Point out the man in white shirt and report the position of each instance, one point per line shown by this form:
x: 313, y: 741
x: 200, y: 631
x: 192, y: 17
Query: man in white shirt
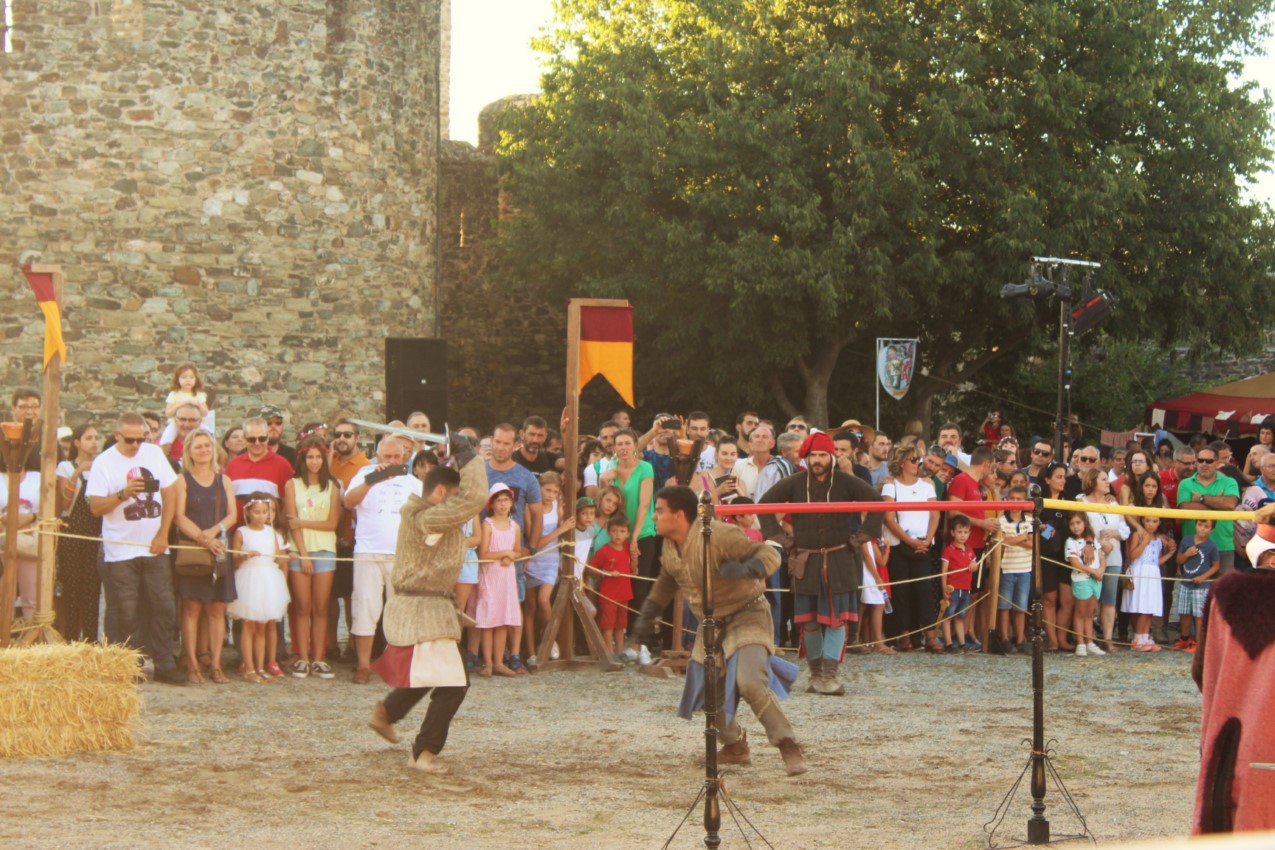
x: 377, y: 494
x: 594, y: 471
x: 131, y: 487
x: 761, y: 442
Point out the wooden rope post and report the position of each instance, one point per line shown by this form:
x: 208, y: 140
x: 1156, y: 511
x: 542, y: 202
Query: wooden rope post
x: 46, y: 577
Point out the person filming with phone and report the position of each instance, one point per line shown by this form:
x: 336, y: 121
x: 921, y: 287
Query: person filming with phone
x: 377, y: 494
x: 721, y: 480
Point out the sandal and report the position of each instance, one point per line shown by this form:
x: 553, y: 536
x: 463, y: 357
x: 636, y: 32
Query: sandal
x: 205, y: 661
x: 485, y: 671
x: 516, y: 664
x: 502, y: 670
x: 252, y: 677
x: 218, y: 677
x: 194, y: 677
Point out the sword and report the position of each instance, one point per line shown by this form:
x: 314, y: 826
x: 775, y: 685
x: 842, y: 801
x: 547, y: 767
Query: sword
x: 443, y: 439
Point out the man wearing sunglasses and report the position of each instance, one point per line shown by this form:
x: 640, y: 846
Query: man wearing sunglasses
x: 1042, y: 453
x: 344, y: 460
x: 1207, y: 490
x: 131, y: 487
x: 273, y: 415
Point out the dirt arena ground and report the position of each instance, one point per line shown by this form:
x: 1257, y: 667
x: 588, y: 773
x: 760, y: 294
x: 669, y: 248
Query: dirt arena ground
x: 918, y: 755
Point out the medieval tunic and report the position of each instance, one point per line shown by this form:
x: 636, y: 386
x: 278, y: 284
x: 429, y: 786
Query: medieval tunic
x: 743, y: 619
x: 1235, y: 670
x: 421, y: 623
x: 828, y: 589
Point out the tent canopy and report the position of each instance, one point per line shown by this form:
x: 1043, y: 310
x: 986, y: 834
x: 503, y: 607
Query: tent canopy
x: 1238, y: 407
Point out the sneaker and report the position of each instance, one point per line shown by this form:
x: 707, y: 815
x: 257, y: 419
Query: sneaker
x: 1081, y: 650
x: 300, y: 669
x: 532, y: 661
x: 322, y: 669
x: 1094, y: 649
x: 1181, y: 643
x: 644, y: 656
x: 553, y: 652
x: 973, y: 645
x: 629, y: 656
x: 472, y: 663
x: 1190, y: 647
x: 274, y: 669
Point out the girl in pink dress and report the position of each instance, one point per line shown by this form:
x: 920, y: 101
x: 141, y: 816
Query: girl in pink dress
x: 498, y: 611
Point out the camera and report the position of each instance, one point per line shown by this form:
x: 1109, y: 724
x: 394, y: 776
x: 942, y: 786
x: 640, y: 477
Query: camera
x: 150, y: 485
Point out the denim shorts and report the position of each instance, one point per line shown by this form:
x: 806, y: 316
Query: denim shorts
x: 958, y: 605
x: 1085, y: 588
x: 324, y: 562
x: 1016, y: 589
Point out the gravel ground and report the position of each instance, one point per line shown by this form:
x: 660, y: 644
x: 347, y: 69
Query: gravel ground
x: 918, y: 755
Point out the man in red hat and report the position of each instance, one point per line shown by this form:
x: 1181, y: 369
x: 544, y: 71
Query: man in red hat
x: 825, y: 562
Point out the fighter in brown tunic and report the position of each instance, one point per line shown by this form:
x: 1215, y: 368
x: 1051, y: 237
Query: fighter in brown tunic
x: 739, y: 568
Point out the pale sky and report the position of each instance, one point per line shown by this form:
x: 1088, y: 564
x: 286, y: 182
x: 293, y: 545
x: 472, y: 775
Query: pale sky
x: 492, y: 58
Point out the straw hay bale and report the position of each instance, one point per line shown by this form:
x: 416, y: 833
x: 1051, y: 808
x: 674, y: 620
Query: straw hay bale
x: 67, y: 698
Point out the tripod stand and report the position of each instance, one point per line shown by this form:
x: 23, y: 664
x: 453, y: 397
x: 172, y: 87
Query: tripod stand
x: 1039, y: 763
x: 713, y: 791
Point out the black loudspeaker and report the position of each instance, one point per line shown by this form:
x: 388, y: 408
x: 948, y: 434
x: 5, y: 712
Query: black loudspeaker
x: 416, y: 379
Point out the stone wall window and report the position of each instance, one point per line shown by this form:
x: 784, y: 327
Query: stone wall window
x: 6, y: 26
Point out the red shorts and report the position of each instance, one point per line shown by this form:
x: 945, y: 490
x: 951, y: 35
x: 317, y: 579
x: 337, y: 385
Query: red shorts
x: 612, y: 616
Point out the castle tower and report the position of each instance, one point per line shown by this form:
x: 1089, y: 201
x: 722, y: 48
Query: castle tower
x: 252, y: 186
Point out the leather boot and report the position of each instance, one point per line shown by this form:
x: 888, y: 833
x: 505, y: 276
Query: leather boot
x: 816, y: 675
x: 828, y: 685
x: 794, y: 760
x: 381, y: 725
x: 736, y: 753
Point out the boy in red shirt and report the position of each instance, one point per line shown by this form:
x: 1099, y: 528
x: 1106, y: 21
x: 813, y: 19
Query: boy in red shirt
x: 615, y: 589
x: 958, y: 566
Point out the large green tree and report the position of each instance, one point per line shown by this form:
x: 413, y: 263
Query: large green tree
x: 772, y: 182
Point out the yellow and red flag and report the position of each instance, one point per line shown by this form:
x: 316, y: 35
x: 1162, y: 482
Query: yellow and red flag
x: 42, y: 285
x: 606, y: 347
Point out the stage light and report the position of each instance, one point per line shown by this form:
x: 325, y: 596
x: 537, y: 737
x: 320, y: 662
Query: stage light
x: 1093, y: 312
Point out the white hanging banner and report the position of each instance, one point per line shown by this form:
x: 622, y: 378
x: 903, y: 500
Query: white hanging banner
x: 896, y: 364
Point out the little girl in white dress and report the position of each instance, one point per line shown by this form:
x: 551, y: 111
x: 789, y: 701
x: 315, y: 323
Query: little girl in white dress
x: 262, y: 587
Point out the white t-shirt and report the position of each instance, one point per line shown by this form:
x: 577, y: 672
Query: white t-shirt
x: 1075, y: 549
x: 595, y: 470
x: 377, y: 517
x: 138, y: 519
x: 915, y: 523
x: 746, y: 471
x: 28, y: 493
x: 1013, y: 558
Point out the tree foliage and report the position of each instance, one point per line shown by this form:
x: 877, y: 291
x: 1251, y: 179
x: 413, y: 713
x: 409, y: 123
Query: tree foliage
x: 773, y: 181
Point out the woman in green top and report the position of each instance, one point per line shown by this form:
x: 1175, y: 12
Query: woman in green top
x: 636, y: 478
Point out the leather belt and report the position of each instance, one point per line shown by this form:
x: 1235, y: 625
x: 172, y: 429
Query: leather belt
x: 438, y: 594
x: 824, y: 551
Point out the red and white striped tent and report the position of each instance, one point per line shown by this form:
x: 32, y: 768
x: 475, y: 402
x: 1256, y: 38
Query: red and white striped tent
x: 1236, y: 408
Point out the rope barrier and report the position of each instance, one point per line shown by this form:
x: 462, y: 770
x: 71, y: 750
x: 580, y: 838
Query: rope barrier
x: 974, y: 507
x: 38, y: 620
x: 1134, y: 510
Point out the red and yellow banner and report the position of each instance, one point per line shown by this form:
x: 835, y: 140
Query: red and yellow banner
x: 42, y: 286
x: 606, y: 347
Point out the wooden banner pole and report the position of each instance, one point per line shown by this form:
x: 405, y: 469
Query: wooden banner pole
x: 50, y: 404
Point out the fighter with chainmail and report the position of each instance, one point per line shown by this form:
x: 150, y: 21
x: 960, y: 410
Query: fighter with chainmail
x: 422, y: 625
x: 826, y: 561
x: 739, y: 568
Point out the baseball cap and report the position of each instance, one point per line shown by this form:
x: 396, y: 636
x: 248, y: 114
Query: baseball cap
x: 63, y: 432
x: 585, y: 502
x: 951, y: 461
x: 269, y: 410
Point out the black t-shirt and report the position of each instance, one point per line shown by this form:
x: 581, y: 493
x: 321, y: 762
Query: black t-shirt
x: 288, y: 453
x: 544, y: 462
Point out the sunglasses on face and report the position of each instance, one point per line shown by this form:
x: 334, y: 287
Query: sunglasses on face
x: 132, y: 441
x: 255, y: 439
x: 344, y: 435
x: 1043, y: 452
x: 1206, y: 460
x: 797, y: 426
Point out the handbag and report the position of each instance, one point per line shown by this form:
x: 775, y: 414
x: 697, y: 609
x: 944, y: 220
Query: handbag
x: 28, y: 544
x: 198, y: 560
x: 1126, y: 581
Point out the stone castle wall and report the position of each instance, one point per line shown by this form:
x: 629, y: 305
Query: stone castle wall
x: 248, y: 185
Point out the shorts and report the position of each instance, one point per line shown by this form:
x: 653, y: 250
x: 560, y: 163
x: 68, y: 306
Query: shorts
x: 1191, y: 599
x: 1015, y: 591
x: 1086, y: 588
x: 469, y: 568
x: 959, y: 604
x: 371, y: 583
x: 1052, y: 576
x: 612, y: 615
x: 521, y: 572
x: 324, y: 562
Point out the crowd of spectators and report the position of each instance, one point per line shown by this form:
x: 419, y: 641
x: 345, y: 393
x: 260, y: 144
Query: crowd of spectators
x: 156, y: 488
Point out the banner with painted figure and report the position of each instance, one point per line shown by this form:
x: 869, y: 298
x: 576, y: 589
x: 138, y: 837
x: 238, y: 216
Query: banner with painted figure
x: 896, y: 363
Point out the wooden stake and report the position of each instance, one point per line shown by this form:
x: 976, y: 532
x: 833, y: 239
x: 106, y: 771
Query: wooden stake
x: 46, y: 577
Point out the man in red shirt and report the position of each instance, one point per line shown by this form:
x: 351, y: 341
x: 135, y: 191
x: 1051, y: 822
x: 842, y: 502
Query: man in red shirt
x: 1183, y: 468
x: 258, y: 469
x: 965, y: 487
